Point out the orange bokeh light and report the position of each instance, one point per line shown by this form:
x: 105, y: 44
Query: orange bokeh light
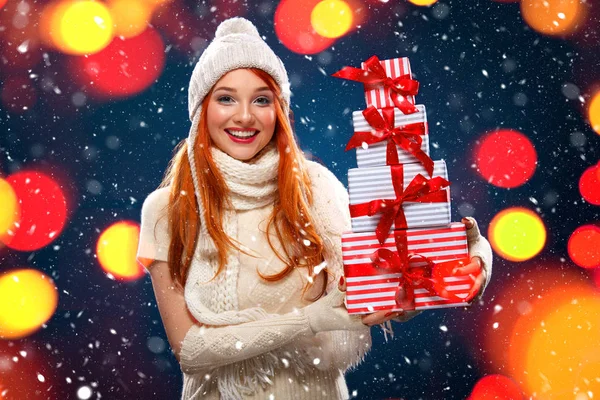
x: 523, y: 297
x: 561, y: 360
x: 584, y: 246
x: 9, y: 213
x: 547, y: 342
x: 505, y: 158
x: 553, y: 17
x: 594, y: 112
x: 116, y: 250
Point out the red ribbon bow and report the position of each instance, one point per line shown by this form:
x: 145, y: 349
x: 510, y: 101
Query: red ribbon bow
x: 420, y: 190
x: 407, y: 137
x: 412, y: 276
x: 374, y: 76
x: 428, y: 276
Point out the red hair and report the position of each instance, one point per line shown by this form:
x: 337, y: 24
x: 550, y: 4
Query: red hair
x: 291, y: 218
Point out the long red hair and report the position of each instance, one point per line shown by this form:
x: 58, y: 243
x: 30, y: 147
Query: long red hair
x: 291, y: 218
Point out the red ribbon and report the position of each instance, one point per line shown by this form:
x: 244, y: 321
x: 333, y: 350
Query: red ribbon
x: 420, y: 190
x: 374, y: 76
x: 411, y: 276
x: 409, y: 137
x: 426, y: 276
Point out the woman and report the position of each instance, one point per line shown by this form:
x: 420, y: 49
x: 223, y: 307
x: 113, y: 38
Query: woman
x: 243, y: 240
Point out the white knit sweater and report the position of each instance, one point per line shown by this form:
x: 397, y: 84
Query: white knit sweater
x: 309, y: 366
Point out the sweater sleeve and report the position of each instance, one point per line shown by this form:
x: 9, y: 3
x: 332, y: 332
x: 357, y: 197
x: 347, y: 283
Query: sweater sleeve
x: 154, y: 234
x: 208, y: 347
x: 480, y: 247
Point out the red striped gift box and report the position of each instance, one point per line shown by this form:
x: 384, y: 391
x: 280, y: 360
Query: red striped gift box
x: 394, y: 68
x: 373, y: 155
x: 369, y: 184
x: 370, y: 289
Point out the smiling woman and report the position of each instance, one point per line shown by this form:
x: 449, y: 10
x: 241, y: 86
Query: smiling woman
x: 243, y: 240
x: 241, y: 113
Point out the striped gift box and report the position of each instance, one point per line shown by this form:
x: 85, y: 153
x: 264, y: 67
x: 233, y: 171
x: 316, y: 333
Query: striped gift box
x: 367, y: 184
x: 369, y: 289
x: 375, y: 154
x: 394, y: 68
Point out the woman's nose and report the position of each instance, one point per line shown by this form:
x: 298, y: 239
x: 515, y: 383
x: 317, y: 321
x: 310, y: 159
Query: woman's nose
x: 244, y: 114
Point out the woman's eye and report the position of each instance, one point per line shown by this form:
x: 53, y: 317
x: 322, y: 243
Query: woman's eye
x: 224, y: 99
x: 263, y: 100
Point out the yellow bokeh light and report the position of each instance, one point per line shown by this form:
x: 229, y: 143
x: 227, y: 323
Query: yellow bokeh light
x: 28, y: 299
x: 563, y: 358
x: 331, y: 18
x: 130, y: 17
x: 552, y: 17
x: 80, y: 27
x: 594, y: 113
x: 9, y: 212
x: 517, y: 234
x: 116, y: 250
x: 423, y: 2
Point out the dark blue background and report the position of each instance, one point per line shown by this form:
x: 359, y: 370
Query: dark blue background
x: 422, y: 361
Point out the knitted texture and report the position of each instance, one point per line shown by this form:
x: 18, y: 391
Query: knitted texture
x: 252, y: 185
x: 215, y: 302
x: 237, y: 44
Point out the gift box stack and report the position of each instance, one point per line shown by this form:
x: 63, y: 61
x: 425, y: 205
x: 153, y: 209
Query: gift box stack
x: 403, y: 248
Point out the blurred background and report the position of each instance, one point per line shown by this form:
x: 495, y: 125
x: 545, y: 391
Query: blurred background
x: 93, y: 99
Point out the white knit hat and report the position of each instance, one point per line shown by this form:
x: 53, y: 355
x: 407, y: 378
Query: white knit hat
x: 237, y: 44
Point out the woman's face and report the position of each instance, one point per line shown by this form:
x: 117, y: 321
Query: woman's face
x: 241, y: 114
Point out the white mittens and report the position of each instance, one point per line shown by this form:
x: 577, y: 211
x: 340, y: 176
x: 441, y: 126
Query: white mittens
x: 329, y: 314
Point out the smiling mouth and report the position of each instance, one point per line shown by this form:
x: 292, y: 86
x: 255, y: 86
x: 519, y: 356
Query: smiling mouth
x: 242, y: 134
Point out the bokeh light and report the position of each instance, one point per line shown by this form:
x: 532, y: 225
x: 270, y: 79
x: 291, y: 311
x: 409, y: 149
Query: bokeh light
x: 294, y: 29
x: 523, y: 295
x: 331, y: 18
x: 124, y: 68
x: 116, y: 250
x: 2, y: 4
x: 584, y: 246
x: 130, y: 17
x: 505, y: 158
x: 496, y: 387
x: 517, y: 234
x: 552, y: 17
x: 594, y: 113
x: 9, y: 212
x: 28, y: 299
x: 43, y: 211
x: 79, y: 27
x: 562, y: 360
x: 589, y: 185
x: 423, y: 2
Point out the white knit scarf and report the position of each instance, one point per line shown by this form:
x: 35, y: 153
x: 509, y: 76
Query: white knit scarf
x: 214, y: 302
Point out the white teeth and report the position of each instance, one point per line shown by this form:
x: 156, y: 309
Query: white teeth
x: 242, y: 134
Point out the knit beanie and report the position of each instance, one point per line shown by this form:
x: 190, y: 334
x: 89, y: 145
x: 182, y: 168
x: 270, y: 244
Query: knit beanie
x: 237, y: 44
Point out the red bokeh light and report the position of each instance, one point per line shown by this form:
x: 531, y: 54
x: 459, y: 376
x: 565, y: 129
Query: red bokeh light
x: 496, y: 387
x: 589, y: 185
x: 124, y: 68
x: 43, y: 211
x: 505, y: 158
x: 294, y: 29
x: 584, y: 246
